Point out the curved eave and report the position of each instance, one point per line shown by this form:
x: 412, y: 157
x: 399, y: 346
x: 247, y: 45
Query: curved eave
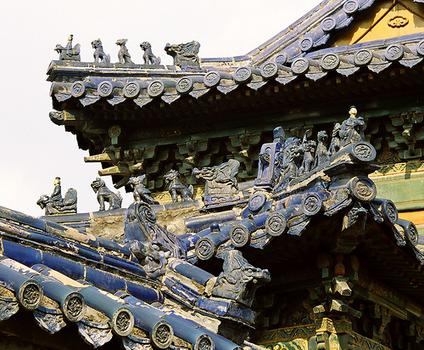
x: 169, y: 83
x: 103, y: 264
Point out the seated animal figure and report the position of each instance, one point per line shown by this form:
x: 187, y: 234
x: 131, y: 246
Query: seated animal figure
x: 321, y: 155
x: 67, y: 206
x: 69, y: 52
x: 106, y: 195
x: 140, y: 192
x: 308, y: 148
x: 335, y: 140
x: 184, y: 54
x: 148, y: 56
x: 123, y: 54
x: 239, y: 279
x: 176, y: 188
x: 99, y: 54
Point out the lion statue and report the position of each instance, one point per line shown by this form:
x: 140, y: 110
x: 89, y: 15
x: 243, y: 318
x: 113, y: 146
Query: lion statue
x: 148, y: 56
x: 99, y: 54
x: 106, y: 195
x: 176, y: 188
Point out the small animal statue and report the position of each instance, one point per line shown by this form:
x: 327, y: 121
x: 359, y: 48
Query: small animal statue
x: 335, y: 140
x: 68, y: 53
x: 176, y: 188
x: 148, y: 56
x: 184, y: 54
x: 106, y: 195
x: 99, y: 54
x: 140, y: 192
x: 56, y: 204
x: 239, y: 279
x: 321, y: 154
x: 308, y: 147
x: 123, y: 54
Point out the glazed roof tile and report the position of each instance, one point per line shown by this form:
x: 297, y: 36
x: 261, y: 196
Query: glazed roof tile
x: 140, y: 85
x: 62, y: 262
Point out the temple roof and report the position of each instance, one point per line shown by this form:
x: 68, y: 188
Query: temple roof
x: 346, y: 52
x: 143, y: 84
x: 67, y: 276
x: 307, y: 48
x: 188, y: 285
x: 62, y: 274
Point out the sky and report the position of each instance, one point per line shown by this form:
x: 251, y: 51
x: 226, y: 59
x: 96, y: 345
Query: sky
x: 33, y: 149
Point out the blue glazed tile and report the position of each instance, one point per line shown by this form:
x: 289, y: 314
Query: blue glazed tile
x: 148, y: 294
x: 68, y: 267
x: 191, y: 271
x: 25, y: 255
x: 104, y: 280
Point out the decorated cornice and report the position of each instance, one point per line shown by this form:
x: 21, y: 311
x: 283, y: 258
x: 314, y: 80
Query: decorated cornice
x: 90, y: 83
x: 156, y: 286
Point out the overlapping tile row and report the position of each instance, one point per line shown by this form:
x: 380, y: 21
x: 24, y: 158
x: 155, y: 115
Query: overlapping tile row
x: 143, y: 86
x: 43, y: 276
x: 313, y: 30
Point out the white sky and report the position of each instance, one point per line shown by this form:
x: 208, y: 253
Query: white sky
x: 33, y: 149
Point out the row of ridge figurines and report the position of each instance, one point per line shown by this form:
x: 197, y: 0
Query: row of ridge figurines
x: 56, y: 204
x: 183, y: 54
x: 280, y: 162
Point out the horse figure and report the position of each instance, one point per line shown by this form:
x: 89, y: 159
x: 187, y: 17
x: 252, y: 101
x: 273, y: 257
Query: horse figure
x: 148, y: 56
x: 176, y: 188
x: 106, y: 195
x: 99, y: 54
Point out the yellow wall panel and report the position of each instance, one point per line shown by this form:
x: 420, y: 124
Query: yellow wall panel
x: 391, y: 19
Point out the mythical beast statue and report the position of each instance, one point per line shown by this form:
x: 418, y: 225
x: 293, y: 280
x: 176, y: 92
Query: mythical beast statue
x: 69, y: 52
x: 106, y: 195
x: 239, y: 279
x: 184, y: 54
x: 221, y: 182
x: 176, y: 188
x: 55, y: 203
x: 140, y: 192
x: 99, y: 53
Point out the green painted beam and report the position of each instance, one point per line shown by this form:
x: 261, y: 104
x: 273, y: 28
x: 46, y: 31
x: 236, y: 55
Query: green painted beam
x: 405, y: 190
